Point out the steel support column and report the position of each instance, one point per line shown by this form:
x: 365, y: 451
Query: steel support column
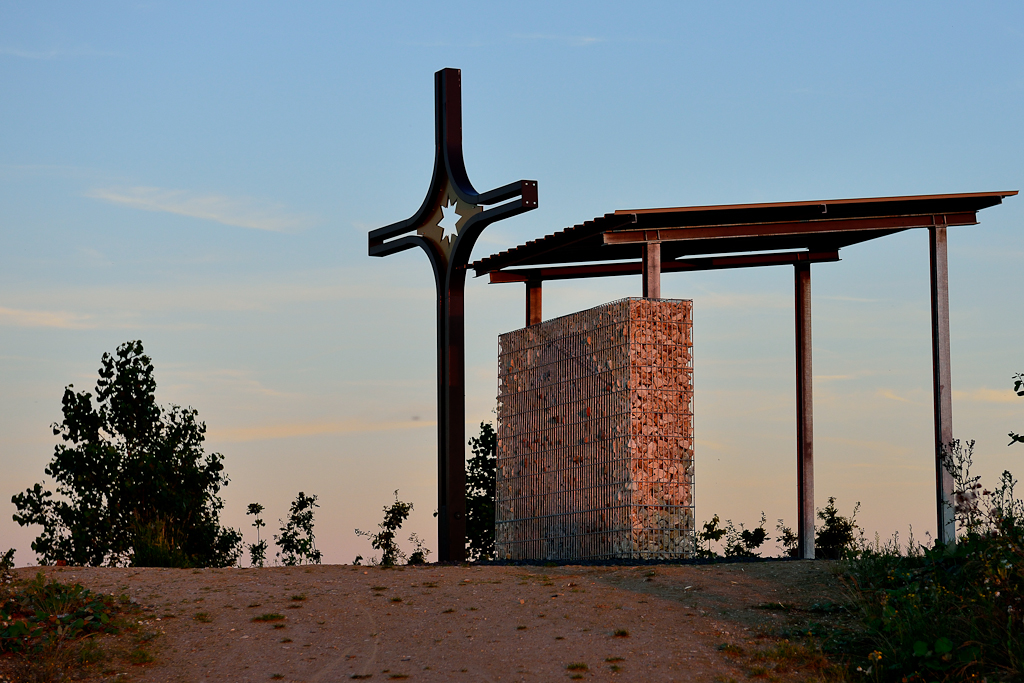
x: 533, y: 302
x: 804, y: 414
x: 942, y: 394
x: 652, y: 270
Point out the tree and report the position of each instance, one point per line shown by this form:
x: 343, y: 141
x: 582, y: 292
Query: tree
x: 713, y: 532
x: 744, y: 542
x: 1018, y: 387
x: 297, y: 543
x: 835, y: 539
x: 480, y: 492
x: 257, y: 550
x: 789, y: 540
x: 135, y: 485
x: 384, y: 540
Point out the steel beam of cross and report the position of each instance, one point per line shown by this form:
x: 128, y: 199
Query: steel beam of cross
x: 450, y: 188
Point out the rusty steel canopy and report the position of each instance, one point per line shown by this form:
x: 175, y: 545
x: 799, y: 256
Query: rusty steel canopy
x: 818, y: 228
x: 648, y: 242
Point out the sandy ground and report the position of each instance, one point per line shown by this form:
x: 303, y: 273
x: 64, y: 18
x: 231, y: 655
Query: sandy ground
x: 451, y: 623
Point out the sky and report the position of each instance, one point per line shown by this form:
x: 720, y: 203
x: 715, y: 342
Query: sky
x: 202, y: 176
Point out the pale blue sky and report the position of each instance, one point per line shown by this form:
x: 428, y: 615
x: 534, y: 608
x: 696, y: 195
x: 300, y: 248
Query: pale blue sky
x: 202, y: 176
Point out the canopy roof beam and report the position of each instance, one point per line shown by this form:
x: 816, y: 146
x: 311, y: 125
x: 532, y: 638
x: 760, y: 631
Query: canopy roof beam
x: 667, y: 266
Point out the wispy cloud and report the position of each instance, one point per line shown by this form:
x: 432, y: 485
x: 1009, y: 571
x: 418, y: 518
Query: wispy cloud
x: 756, y: 301
x: 25, y: 318
x: 893, y: 396
x: 297, y: 429
x: 987, y: 396
x: 853, y: 299
x: 54, y: 53
x: 243, y: 212
x: 574, y: 41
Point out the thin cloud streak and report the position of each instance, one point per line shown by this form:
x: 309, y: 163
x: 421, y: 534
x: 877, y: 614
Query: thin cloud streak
x: 60, y: 319
x: 297, y: 429
x: 987, y: 396
x: 893, y: 396
x: 54, y: 53
x: 574, y: 41
x: 240, y: 212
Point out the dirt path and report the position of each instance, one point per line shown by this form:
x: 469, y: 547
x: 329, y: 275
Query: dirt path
x: 447, y: 623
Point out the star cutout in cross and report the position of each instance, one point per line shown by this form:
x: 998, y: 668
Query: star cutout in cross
x: 449, y: 221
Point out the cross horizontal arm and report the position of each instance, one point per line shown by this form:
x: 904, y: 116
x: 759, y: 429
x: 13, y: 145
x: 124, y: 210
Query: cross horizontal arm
x: 635, y: 267
x: 527, y: 189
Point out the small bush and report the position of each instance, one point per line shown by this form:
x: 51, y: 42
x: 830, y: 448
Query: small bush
x: 949, y: 612
x: 42, y: 614
x: 835, y: 539
x: 712, y: 533
x: 297, y: 542
x: 384, y: 540
x: 257, y: 550
x: 744, y: 542
x: 270, y: 616
x: 787, y: 539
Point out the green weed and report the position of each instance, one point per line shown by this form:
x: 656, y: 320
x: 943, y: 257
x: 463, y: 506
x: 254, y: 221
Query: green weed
x: 948, y: 612
x: 270, y: 616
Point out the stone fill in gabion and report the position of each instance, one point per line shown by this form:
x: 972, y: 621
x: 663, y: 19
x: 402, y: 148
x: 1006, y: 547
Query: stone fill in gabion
x: 595, y: 435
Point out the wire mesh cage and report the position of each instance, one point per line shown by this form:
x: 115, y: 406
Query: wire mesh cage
x: 595, y: 435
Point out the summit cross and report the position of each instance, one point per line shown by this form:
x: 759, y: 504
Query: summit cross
x: 448, y: 248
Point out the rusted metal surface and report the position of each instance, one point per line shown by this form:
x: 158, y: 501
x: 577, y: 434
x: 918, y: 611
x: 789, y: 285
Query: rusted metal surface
x: 534, y: 302
x: 451, y: 189
x: 651, y: 271
x: 679, y: 265
x: 595, y: 434
x: 792, y: 229
x: 693, y: 231
x: 804, y: 413
x: 942, y: 393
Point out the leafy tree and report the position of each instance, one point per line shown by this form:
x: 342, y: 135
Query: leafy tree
x: 257, y: 550
x: 835, y: 539
x: 297, y: 543
x: 1018, y: 386
x: 480, y: 493
x: 420, y: 552
x: 744, y: 542
x: 712, y: 533
x: 134, y: 483
x: 788, y: 539
x: 384, y: 540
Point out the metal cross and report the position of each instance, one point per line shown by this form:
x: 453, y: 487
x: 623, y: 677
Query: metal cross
x: 449, y: 256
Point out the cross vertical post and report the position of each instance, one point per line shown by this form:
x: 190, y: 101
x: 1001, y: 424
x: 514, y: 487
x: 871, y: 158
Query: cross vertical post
x: 451, y: 192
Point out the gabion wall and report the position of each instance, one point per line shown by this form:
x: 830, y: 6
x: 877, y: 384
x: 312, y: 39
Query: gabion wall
x: 595, y: 434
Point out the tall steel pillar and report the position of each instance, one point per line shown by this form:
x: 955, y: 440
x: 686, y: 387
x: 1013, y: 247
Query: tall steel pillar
x: 804, y: 414
x: 651, y: 270
x: 534, y: 302
x: 942, y: 393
